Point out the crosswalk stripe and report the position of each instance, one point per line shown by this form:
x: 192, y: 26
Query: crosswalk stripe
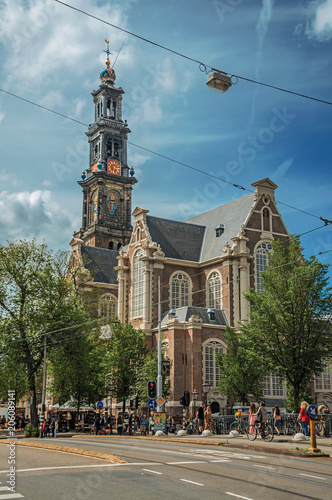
x: 9, y: 496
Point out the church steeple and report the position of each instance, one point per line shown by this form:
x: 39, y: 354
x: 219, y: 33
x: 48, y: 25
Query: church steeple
x: 106, y: 183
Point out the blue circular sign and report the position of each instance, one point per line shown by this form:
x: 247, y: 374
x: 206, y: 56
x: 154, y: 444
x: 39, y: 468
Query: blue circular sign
x: 152, y: 404
x: 312, y: 411
x: 100, y: 404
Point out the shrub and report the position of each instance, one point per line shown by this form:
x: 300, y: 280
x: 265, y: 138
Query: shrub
x: 31, y: 431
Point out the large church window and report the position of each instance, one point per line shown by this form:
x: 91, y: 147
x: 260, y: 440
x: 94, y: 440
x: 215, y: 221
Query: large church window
x: 261, y: 261
x: 137, y: 288
x: 211, y: 368
x: 214, y: 291
x: 180, y: 290
x: 107, y: 308
x: 323, y: 381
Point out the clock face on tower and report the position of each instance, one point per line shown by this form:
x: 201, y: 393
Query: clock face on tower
x: 113, y: 167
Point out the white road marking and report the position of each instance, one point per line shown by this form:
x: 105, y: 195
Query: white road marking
x: 147, y: 470
x: 191, y: 462
x: 192, y: 482
x: 316, y: 477
x: 81, y: 467
x: 219, y: 460
x: 265, y: 467
x: 238, y: 496
x: 11, y: 495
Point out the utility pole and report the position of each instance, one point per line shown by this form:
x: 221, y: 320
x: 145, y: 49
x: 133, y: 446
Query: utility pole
x: 160, y: 378
x: 42, y: 413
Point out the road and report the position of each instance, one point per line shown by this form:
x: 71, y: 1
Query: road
x: 163, y: 469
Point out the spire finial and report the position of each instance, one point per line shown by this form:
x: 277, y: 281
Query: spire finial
x: 108, y: 53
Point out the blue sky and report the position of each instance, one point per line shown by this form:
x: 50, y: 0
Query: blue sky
x: 53, y: 55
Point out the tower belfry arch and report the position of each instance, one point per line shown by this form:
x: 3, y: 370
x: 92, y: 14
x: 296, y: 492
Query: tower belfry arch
x: 107, y: 182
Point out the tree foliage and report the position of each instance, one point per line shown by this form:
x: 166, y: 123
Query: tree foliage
x: 77, y: 368
x: 33, y: 288
x: 241, y: 367
x: 126, y: 354
x: 290, y: 320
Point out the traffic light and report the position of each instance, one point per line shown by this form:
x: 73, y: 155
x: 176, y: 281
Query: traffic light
x: 182, y: 401
x: 186, y: 398
x: 152, y: 389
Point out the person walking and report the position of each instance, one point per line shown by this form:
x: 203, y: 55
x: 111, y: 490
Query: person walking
x: 208, y: 419
x: 277, y: 419
x: 200, y: 418
x: 52, y: 427
x: 304, y: 418
x: 119, y: 424
x: 56, y: 425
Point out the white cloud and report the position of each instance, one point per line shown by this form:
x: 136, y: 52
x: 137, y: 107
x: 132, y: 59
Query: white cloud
x: 79, y: 105
x: 2, y: 115
x: 35, y: 214
x: 52, y: 99
x: 319, y: 20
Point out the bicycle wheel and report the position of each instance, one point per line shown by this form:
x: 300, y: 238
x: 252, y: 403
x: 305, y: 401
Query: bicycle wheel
x: 190, y: 429
x: 252, y: 432
x: 320, y: 430
x: 297, y: 427
x: 235, y: 427
x: 267, y: 433
x: 214, y: 428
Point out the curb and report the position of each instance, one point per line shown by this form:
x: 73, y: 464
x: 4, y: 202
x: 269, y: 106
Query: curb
x: 76, y: 451
x: 273, y: 451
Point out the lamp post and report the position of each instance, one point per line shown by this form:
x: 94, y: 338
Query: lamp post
x: 194, y: 395
x: 205, y: 389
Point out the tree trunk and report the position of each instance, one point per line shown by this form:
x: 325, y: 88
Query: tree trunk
x: 33, y: 407
x: 124, y: 406
x: 296, y: 388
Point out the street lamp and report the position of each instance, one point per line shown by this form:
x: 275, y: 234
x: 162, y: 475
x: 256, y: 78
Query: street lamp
x: 205, y: 388
x: 218, y: 81
x: 194, y: 394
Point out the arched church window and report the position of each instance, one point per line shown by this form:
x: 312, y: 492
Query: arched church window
x: 109, y: 147
x: 116, y: 149
x: 137, y: 288
x: 110, y: 245
x: 261, y: 260
x: 108, y: 104
x: 210, y: 365
x: 114, y: 110
x: 119, y: 246
x: 180, y: 290
x: 214, y: 291
x: 107, y: 308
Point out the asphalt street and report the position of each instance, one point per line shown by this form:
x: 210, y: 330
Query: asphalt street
x: 163, y: 468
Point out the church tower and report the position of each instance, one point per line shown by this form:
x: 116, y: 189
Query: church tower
x: 107, y: 182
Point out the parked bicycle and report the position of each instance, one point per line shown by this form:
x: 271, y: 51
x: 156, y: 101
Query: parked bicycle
x: 192, y: 427
x: 290, y: 425
x: 239, y: 425
x: 264, y: 430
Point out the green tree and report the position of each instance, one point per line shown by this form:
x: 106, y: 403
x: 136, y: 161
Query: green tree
x: 33, y: 289
x: 126, y: 355
x: 290, y: 320
x: 77, y: 368
x: 241, y: 367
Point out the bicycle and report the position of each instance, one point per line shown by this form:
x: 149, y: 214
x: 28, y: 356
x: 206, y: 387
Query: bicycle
x: 320, y: 428
x: 264, y: 430
x: 192, y: 428
x: 240, y: 427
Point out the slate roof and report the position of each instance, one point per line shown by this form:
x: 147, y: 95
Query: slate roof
x: 232, y: 215
x: 184, y: 313
x: 101, y: 262
x: 178, y: 240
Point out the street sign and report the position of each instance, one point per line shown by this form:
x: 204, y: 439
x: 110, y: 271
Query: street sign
x: 152, y: 404
x: 312, y: 411
x: 161, y: 401
x: 165, y: 368
x: 100, y: 404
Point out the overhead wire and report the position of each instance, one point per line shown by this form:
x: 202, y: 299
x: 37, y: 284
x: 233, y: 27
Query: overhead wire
x: 238, y: 186
x: 203, y: 66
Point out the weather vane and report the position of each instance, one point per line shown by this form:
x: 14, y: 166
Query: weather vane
x: 108, y: 52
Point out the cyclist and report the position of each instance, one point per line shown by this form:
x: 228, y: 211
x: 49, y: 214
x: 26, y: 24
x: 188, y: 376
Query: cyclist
x: 261, y: 414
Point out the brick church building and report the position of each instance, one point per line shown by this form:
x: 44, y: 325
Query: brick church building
x: 204, y: 265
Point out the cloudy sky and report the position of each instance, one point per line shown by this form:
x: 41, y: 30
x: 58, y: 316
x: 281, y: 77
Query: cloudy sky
x: 52, y: 55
